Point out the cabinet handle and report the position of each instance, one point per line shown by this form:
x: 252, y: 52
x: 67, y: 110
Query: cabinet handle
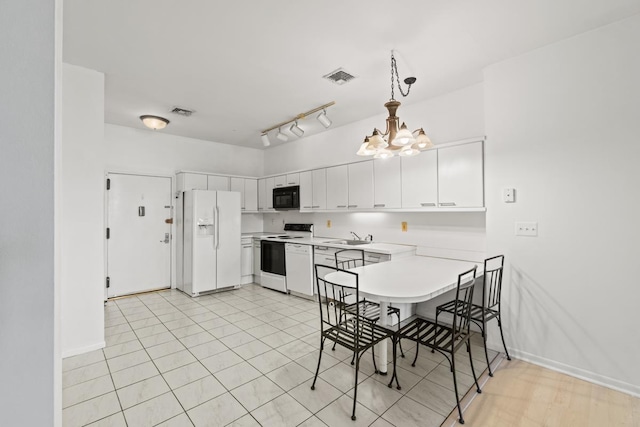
x: 353, y: 206
x: 427, y: 204
x: 341, y: 206
x: 315, y: 207
x: 307, y: 207
x: 379, y: 205
x: 243, y: 208
x: 247, y: 247
x: 291, y: 183
x: 448, y: 204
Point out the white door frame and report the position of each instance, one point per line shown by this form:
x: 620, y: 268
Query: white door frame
x: 172, y: 248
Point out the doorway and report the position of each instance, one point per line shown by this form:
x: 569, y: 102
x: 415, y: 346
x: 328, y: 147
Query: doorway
x: 138, y: 233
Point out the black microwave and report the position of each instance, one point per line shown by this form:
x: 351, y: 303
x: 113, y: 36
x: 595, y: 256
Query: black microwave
x: 286, y: 197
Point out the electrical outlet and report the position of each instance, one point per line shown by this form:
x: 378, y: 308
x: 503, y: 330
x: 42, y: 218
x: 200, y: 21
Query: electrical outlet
x: 509, y: 195
x: 328, y: 223
x: 527, y: 229
x: 404, y: 226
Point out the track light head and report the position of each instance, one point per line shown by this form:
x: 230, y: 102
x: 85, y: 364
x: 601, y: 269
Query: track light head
x: 281, y: 136
x: 322, y: 118
x: 296, y: 130
x: 265, y: 140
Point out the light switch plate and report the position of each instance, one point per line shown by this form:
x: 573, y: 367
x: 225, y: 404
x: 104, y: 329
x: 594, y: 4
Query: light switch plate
x: 509, y: 195
x: 527, y: 229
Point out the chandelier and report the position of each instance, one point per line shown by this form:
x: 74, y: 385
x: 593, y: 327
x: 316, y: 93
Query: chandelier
x: 396, y: 139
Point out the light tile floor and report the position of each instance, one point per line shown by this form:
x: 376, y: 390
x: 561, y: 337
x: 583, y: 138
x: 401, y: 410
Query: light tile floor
x: 243, y: 358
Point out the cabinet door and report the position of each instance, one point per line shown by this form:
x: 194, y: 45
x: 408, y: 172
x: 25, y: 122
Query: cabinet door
x: 319, y: 189
x: 191, y: 181
x: 262, y: 194
x: 361, y: 185
x: 460, y: 177
x: 237, y: 184
x: 293, y: 179
x: 251, y: 194
x: 246, y: 257
x: 217, y: 183
x: 337, y: 187
x: 268, y: 189
x: 280, y: 181
x: 420, y: 180
x: 387, y: 188
x: 306, y: 190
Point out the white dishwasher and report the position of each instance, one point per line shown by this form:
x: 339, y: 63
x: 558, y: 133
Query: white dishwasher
x: 299, y: 266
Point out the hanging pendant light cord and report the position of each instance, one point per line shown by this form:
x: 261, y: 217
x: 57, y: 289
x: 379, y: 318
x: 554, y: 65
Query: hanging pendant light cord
x: 394, y: 70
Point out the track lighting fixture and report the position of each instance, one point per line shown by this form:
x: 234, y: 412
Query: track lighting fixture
x: 322, y: 118
x: 295, y: 128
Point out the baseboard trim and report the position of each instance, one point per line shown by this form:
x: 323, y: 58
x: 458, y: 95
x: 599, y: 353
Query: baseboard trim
x: 582, y: 374
x: 82, y: 350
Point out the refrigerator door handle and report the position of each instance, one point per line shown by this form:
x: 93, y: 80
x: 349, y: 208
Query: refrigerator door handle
x: 217, y: 220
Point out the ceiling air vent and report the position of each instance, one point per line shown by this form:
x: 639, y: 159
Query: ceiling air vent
x: 339, y: 76
x: 182, y: 111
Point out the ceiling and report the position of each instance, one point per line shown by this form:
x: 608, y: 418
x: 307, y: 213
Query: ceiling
x: 246, y: 65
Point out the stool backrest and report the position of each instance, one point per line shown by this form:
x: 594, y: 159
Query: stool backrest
x: 463, y: 301
x: 492, y: 283
x: 349, y: 258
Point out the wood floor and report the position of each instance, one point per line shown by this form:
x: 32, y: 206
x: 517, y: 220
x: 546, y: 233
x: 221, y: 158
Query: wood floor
x: 522, y: 394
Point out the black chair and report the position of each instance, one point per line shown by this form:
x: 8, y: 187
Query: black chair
x: 490, y: 308
x: 345, y: 328
x: 446, y: 340
x: 352, y: 258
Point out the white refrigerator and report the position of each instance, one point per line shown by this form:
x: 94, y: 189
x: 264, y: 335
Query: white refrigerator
x: 211, y: 241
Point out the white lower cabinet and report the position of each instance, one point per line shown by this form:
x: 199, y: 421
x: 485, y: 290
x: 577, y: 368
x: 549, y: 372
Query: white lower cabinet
x: 256, y: 260
x: 246, y: 261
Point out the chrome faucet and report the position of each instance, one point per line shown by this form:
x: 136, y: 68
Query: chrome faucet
x: 369, y: 238
x: 355, y: 236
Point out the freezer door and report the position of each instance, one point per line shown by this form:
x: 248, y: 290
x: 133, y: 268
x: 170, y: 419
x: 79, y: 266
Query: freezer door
x: 228, y: 239
x: 203, y: 258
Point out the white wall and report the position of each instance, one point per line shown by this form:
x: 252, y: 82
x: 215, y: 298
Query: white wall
x: 452, y: 117
x: 27, y: 308
x: 82, y: 217
x: 562, y: 127
x: 147, y: 151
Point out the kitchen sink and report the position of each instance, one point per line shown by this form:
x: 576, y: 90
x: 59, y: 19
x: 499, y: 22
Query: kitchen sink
x: 349, y: 242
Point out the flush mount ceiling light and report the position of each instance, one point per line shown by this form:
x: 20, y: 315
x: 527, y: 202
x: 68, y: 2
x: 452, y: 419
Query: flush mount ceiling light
x: 396, y: 139
x: 322, y: 118
x: 154, y: 122
x: 294, y: 128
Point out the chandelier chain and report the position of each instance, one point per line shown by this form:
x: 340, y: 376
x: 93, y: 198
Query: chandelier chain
x: 394, y: 69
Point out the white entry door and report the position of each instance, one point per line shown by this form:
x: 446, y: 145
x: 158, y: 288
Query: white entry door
x: 139, y: 238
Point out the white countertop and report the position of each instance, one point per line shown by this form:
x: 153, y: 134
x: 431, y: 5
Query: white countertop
x: 407, y: 280
x: 379, y: 248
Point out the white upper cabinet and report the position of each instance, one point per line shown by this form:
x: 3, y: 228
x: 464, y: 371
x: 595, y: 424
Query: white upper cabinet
x: 191, y: 181
x: 319, y: 177
x: 293, y: 179
x: 460, y: 176
x: 217, y: 183
x: 420, y: 180
x: 248, y: 189
x: 361, y: 185
x: 251, y: 194
x: 237, y: 184
x: 269, y: 183
x: 262, y: 194
x: 306, y: 190
x: 387, y: 186
x: 280, y: 181
x: 337, y: 187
